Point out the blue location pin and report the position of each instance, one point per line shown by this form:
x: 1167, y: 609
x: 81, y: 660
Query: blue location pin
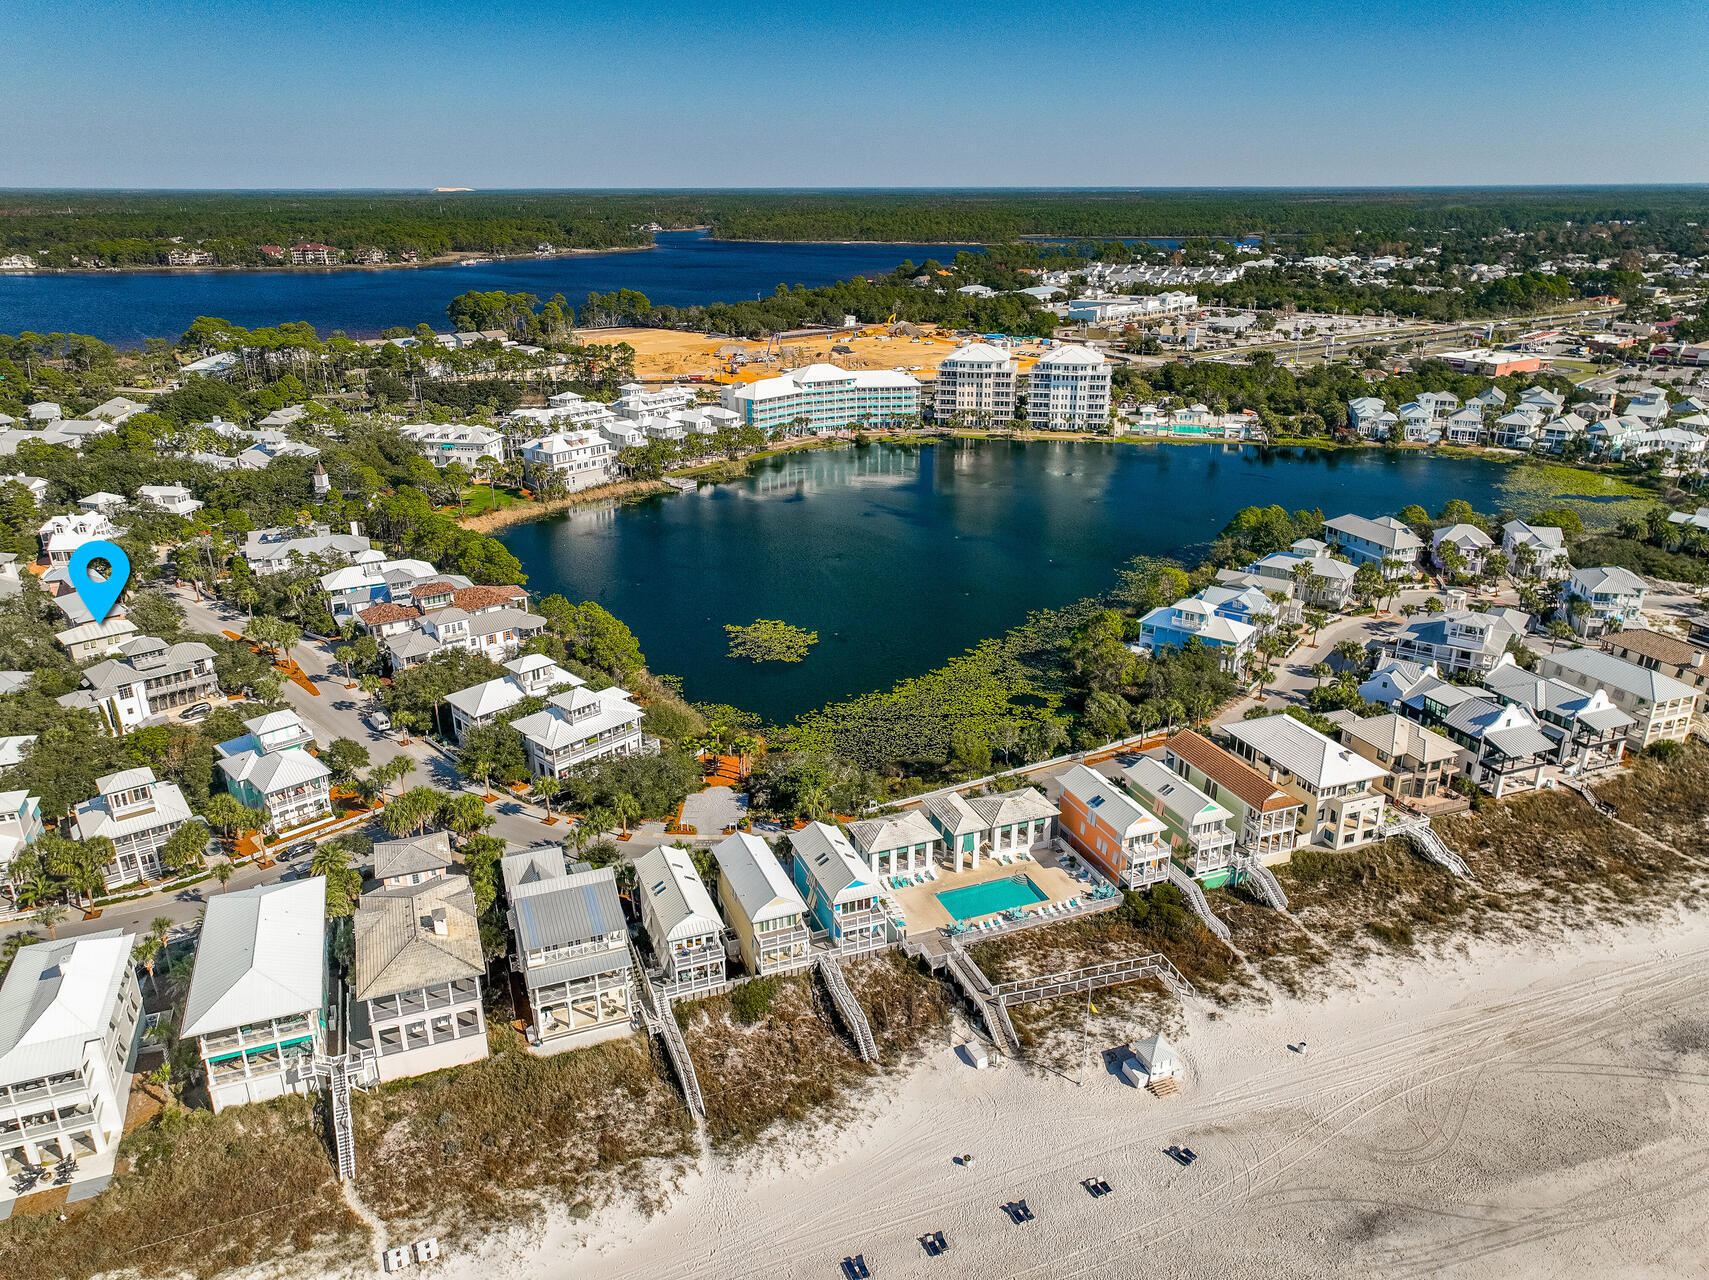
x: 99, y: 595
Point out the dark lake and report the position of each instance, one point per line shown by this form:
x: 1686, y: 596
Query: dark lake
x: 686, y: 268
x: 901, y: 557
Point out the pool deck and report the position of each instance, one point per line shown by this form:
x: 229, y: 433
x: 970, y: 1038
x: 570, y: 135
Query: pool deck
x: 927, y: 915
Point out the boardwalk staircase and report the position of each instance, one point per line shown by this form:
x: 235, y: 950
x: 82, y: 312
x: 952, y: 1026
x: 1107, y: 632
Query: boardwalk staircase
x: 660, y: 1020
x: 1590, y: 797
x: 848, y: 1008
x: 1093, y: 977
x: 973, y: 983
x: 1164, y: 1086
x: 1428, y: 844
x: 1262, y: 881
x: 337, y: 1072
x: 1195, y: 896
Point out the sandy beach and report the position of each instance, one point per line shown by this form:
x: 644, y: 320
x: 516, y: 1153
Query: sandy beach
x: 1533, y: 1111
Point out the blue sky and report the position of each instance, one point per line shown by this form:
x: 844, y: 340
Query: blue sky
x: 490, y: 93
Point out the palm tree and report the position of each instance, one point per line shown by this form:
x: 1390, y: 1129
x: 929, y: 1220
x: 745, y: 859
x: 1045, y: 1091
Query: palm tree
x: 222, y: 873
x: 625, y: 808
x: 345, y: 654
x: 1350, y: 651
x: 160, y: 927
x: 597, y: 820
x: 546, y: 786
x: 1171, y: 711
x: 144, y: 953
x: 49, y: 915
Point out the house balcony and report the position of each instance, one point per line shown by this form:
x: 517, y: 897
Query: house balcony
x: 245, y: 1038
x: 1210, y: 853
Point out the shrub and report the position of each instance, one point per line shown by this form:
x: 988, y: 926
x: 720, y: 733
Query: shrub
x: 752, y: 1001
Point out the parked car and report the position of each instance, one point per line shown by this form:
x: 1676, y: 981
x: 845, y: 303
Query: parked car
x: 301, y: 849
x: 379, y: 721
x: 197, y: 712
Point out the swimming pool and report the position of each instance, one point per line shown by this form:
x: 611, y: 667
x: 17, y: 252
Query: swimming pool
x: 972, y: 901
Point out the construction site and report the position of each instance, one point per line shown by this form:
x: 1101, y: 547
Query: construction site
x: 670, y: 355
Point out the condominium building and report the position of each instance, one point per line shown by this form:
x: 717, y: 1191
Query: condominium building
x: 822, y: 397
x: 258, y: 992
x: 680, y: 919
x: 138, y: 814
x: 1333, y: 782
x: 976, y: 382
x: 69, y: 1011
x: 572, y: 949
x: 476, y: 447
x: 579, y: 459
x: 1069, y: 389
x: 765, y: 912
x: 416, y: 985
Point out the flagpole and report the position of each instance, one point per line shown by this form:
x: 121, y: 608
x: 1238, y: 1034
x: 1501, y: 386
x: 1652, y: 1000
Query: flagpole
x: 1085, y: 1032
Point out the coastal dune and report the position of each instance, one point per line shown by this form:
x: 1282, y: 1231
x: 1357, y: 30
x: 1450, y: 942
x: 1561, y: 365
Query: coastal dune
x: 1513, y: 1111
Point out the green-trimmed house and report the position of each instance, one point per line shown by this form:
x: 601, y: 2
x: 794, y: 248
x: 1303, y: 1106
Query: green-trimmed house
x: 1201, y: 837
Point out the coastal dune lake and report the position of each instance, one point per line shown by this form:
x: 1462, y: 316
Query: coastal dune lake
x: 903, y: 556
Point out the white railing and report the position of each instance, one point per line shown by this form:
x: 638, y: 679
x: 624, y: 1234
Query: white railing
x: 852, y: 1014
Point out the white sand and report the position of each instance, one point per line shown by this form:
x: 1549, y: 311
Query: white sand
x: 1509, y: 1113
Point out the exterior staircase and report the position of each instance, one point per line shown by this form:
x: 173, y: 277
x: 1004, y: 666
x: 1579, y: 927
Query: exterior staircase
x: 1195, y: 895
x: 334, y: 1071
x: 848, y: 1008
x: 978, y: 990
x: 1263, y: 882
x: 1427, y: 843
x: 656, y: 1012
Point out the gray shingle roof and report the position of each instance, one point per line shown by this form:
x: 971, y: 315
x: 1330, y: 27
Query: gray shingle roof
x: 412, y: 857
x: 396, y: 947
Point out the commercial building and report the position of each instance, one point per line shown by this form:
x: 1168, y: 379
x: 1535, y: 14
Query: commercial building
x: 69, y: 1011
x: 976, y: 383
x: 822, y: 397
x: 572, y: 949
x: 258, y: 992
x: 765, y: 912
x: 1069, y: 389
x: 1334, y: 783
x: 416, y: 985
x: 1111, y: 830
x: 138, y: 814
x: 680, y: 919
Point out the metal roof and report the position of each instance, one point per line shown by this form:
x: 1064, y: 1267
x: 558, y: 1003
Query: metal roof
x: 566, y: 910
x: 260, y: 956
x: 894, y: 831
x: 672, y: 895
x: 827, y: 858
x: 57, y: 997
x: 1304, y: 752
x: 1178, y: 798
x: 756, y: 878
x: 613, y: 961
x: 1114, y: 807
x: 1616, y: 673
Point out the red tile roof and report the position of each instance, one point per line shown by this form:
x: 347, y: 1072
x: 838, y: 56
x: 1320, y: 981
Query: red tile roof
x: 475, y: 599
x: 1251, y: 787
x: 378, y: 615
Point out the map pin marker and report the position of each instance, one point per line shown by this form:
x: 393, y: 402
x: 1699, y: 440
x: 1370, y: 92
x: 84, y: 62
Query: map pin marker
x: 99, y: 595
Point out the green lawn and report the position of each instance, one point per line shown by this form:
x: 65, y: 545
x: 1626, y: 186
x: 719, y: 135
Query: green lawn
x: 479, y: 499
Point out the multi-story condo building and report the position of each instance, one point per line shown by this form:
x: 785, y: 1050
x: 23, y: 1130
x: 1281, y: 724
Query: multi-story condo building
x: 822, y: 397
x: 1111, y: 830
x: 1266, y: 819
x: 1333, y: 782
x: 258, y: 992
x: 579, y: 459
x: 765, y: 912
x: 976, y: 382
x: 416, y: 987
x: 149, y: 678
x: 1385, y: 542
x: 578, y: 726
x: 572, y: 949
x: 1200, y: 836
x: 69, y: 1011
x: 1069, y: 389
x: 638, y: 401
x: 842, y: 901
x: 1660, y: 706
x: 271, y: 768
x: 1613, y: 597
x: 680, y: 919
x: 139, y: 815
x: 476, y: 447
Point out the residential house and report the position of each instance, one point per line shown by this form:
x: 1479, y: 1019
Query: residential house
x: 1588, y: 729
x: 581, y: 725
x: 69, y: 1011
x: 1385, y: 542
x: 1660, y: 706
x: 138, y: 814
x: 1679, y: 659
x: 1518, y: 428
x: 476, y: 447
x: 1489, y: 400
x: 1200, y: 835
x: 1315, y: 576
x: 976, y: 382
x: 1341, y: 806
x: 1420, y: 764
x: 149, y: 678
x: 118, y: 410
x: 1111, y: 830
x: 1460, y: 639
x: 572, y: 949
x: 174, y: 499
x: 272, y: 768
x: 1502, y: 746
x: 1534, y: 550
x: 1419, y: 424
x: 765, y: 912
x: 91, y: 640
x: 60, y: 536
x: 1613, y: 596
x: 1371, y: 418
x: 574, y: 459
x: 257, y: 1000
x: 1395, y: 680
x: 107, y: 504
x: 680, y: 919
x: 494, y: 633
x: 1471, y: 543
x: 416, y: 983
x: 1557, y: 433
x: 841, y: 898
x: 532, y: 675
x: 1266, y: 819
x: 33, y: 485
x: 1464, y: 427
x: 20, y: 824
x: 401, y: 864
x: 277, y: 549
x: 1171, y: 626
